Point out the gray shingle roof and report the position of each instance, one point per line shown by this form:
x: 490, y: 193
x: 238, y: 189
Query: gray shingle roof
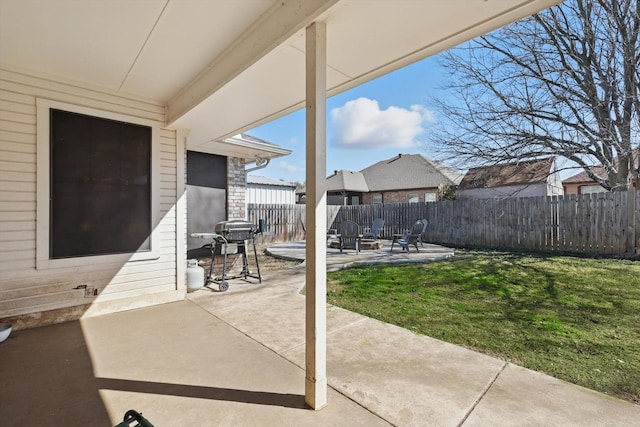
x: 344, y: 180
x: 406, y: 171
x: 255, y: 179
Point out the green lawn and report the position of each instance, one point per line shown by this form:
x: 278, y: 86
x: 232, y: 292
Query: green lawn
x: 574, y: 318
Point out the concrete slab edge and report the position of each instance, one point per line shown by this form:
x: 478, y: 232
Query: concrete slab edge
x: 337, y: 267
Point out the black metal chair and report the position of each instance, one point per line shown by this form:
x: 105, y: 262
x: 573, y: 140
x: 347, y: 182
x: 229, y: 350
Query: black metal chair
x: 411, y: 237
x: 349, y: 236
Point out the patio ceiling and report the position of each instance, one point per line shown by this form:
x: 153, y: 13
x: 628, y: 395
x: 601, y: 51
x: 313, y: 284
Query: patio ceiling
x: 223, y: 67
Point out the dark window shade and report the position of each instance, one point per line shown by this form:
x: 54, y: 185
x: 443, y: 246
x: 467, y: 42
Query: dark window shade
x: 206, y: 170
x: 100, y: 186
x: 206, y: 194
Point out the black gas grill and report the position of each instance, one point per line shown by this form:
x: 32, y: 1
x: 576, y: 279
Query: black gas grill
x: 236, y: 231
x: 229, y: 240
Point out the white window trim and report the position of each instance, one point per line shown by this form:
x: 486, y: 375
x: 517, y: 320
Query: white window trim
x: 43, y: 188
x: 591, y: 189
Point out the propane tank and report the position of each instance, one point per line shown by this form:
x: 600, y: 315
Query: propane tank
x: 195, y: 275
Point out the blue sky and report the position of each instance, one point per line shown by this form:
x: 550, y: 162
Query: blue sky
x: 372, y: 122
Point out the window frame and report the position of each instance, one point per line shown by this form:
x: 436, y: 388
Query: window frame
x: 430, y: 197
x: 591, y: 189
x: 43, y: 188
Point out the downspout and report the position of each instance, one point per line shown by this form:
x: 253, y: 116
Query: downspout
x: 260, y: 164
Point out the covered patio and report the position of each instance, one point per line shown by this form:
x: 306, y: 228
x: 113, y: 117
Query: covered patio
x: 237, y: 358
x: 186, y: 75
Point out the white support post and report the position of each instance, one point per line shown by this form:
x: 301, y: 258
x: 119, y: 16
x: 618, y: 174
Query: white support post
x: 181, y: 209
x: 316, y: 218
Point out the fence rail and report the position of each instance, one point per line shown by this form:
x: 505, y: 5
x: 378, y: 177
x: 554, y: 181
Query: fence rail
x: 604, y: 223
x: 284, y: 222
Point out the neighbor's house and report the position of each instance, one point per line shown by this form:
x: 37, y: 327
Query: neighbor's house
x: 343, y: 188
x: 346, y: 188
x: 102, y: 103
x: 405, y: 178
x: 531, y: 178
x: 581, y: 183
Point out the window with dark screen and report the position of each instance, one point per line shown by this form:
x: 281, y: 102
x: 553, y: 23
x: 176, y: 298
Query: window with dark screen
x: 100, y: 186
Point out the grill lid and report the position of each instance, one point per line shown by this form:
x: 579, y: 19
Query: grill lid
x: 236, y: 230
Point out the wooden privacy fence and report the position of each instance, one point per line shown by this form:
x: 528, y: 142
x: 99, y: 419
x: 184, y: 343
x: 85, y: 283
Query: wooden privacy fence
x: 604, y: 223
x: 284, y: 222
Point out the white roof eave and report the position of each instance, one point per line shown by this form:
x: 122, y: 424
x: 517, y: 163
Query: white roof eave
x: 249, y: 149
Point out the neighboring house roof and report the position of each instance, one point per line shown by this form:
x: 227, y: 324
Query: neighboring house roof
x: 583, y: 178
x: 344, y: 180
x: 406, y: 171
x: 599, y: 171
x: 263, y: 180
x: 526, y: 172
x: 401, y: 172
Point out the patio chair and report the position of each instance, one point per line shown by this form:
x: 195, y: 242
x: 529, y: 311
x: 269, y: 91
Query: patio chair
x: 349, y: 236
x: 411, y: 237
x: 332, y: 235
x: 304, y: 228
x: 374, y: 231
x: 423, y: 237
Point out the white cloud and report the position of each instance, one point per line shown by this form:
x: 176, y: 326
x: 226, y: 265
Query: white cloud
x: 361, y: 124
x: 289, y: 168
x: 427, y: 115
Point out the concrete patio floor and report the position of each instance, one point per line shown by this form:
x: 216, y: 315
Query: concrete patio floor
x: 237, y: 358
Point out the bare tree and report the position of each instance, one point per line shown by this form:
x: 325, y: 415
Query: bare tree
x: 564, y: 82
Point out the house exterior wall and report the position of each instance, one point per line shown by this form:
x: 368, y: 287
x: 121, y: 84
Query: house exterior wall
x: 399, y: 196
x: 237, y: 189
x: 31, y: 293
x: 583, y: 188
x: 571, y: 189
x: 271, y: 194
x: 344, y: 199
x: 554, y: 183
x: 530, y: 190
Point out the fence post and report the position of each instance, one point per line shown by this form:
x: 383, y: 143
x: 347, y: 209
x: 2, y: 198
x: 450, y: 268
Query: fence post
x: 632, y: 231
x: 634, y: 222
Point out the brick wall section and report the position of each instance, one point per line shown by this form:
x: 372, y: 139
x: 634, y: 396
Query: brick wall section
x: 401, y: 196
x: 236, y: 188
x: 367, y: 198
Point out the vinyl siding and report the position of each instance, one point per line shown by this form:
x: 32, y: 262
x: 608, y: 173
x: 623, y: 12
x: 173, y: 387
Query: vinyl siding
x: 26, y: 289
x: 271, y: 194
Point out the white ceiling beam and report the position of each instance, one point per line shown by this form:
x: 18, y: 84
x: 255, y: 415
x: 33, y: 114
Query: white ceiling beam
x: 280, y: 22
